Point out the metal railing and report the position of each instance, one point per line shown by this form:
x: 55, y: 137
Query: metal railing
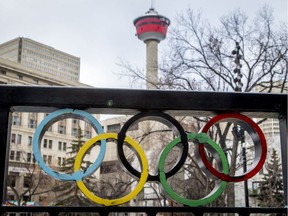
x: 121, y: 101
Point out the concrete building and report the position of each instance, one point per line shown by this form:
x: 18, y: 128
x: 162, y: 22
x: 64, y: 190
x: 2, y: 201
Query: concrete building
x: 21, y: 69
x: 41, y: 57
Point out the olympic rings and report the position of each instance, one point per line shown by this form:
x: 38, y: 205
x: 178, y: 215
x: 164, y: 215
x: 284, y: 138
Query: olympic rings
x: 49, y: 121
x: 256, y: 135
x: 201, y: 142
x: 219, y: 187
x: 137, y: 189
x: 168, y: 121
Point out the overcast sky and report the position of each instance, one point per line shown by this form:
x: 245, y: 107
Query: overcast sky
x: 101, y: 32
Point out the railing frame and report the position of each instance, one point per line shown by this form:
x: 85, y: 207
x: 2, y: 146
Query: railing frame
x: 123, y: 101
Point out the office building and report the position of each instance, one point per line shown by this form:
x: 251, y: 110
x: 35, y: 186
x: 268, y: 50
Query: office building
x: 41, y: 57
x: 27, y: 62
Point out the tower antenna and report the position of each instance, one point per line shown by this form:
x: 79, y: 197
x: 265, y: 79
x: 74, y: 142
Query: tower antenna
x: 152, y: 4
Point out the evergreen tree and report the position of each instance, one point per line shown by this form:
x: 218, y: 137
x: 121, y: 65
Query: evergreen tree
x: 68, y: 193
x: 271, y: 189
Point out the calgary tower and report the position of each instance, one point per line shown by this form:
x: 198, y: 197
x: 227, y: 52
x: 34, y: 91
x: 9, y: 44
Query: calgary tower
x: 151, y: 28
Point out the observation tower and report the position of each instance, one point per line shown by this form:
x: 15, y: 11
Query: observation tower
x: 151, y: 28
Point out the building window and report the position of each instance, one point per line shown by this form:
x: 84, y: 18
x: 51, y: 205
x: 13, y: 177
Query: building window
x: 12, y: 155
x: 18, y: 155
x: 29, y: 157
x: 27, y: 182
x: 64, y: 146
x: 16, y: 119
x: 12, y: 180
x: 88, y: 131
x: 75, y: 127
x: 35, y: 81
x: 49, y: 159
x: 59, y: 145
x: 45, y: 143
x: 75, y: 132
x: 108, y: 167
x: 20, y: 77
x: 62, y: 127
x: 113, y: 128
x: 3, y: 72
x: 59, y: 161
x: 29, y: 140
x: 50, y: 144
x: 13, y: 138
x: 45, y: 158
x: 19, y: 138
x: 32, y: 120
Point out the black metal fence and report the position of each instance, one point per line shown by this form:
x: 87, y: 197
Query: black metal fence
x: 118, y: 101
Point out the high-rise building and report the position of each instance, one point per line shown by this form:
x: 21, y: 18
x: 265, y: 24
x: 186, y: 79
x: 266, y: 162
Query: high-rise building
x: 41, y: 57
x: 24, y: 59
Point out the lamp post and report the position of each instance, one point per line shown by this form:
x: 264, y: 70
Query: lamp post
x: 240, y: 132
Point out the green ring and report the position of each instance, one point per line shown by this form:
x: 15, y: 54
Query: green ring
x: 219, y: 188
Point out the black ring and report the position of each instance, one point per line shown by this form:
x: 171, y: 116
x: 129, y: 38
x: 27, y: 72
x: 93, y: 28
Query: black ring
x: 164, y: 118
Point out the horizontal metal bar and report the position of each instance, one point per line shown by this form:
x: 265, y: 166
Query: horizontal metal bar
x: 144, y: 209
x: 123, y: 101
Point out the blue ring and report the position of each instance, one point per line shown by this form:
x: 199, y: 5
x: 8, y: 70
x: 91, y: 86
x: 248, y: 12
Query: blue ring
x: 47, y: 122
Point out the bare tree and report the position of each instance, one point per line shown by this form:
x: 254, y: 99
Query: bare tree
x: 199, y: 57
x: 34, y: 183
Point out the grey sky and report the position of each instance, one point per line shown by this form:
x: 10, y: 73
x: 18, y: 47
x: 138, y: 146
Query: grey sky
x: 100, y: 32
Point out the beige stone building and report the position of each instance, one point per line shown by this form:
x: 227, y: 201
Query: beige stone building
x: 27, y: 62
x: 41, y: 57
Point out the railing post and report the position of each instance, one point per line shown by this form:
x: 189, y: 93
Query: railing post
x: 284, y: 150
x: 5, y: 128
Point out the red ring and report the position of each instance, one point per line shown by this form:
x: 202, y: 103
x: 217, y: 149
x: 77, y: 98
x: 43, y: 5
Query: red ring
x: 249, y: 122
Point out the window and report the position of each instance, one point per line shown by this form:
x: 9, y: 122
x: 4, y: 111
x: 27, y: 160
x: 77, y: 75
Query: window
x: 62, y: 127
x: 45, y: 158
x: 27, y: 182
x: 50, y: 144
x: 59, y: 161
x: 108, y: 167
x: 32, y: 120
x: 12, y: 155
x: 35, y: 81
x: 75, y: 132
x: 13, y: 138
x: 12, y: 180
x: 19, y: 138
x: 64, y: 146
x: 20, y: 77
x: 16, y: 119
x: 75, y: 127
x: 29, y: 157
x: 3, y: 72
x: 113, y: 128
x: 18, y: 155
x: 59, y: 145
x: 45, y: 143
x: 88, y: 131
x: 29, y: 140
x: 49, y: 159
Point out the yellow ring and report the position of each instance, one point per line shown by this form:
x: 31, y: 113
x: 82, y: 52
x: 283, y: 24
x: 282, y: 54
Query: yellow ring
x: 132, y: 194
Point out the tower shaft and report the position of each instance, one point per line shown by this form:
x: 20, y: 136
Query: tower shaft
x: 151, y: 64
